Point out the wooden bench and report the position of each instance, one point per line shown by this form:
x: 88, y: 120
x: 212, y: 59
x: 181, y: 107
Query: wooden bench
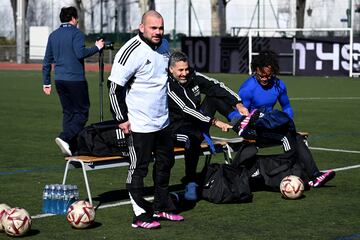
x: 91, y: 163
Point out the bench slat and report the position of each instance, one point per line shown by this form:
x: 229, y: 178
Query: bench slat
x: 93, y: 159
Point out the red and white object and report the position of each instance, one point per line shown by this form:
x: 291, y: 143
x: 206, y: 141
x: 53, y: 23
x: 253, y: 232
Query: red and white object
x: 16, y: 222
x: 81, y: 214
x: 291, y: 187
x: 3, y: 209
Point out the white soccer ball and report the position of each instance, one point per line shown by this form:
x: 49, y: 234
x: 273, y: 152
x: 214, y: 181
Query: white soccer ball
x: 3, y: 209
x: 81, y: 214
x: 291, y: 187
x: 16, y: 222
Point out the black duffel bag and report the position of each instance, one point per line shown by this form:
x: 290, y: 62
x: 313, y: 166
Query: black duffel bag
x: 223, y: 183
x: 102, y: 139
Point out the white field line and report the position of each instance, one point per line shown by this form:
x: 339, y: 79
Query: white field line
x: 127, y: 202
x: 333, y: 150
x: 324, y: 98
x: 346, y: 168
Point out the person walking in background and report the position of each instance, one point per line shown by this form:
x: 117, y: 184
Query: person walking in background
x: 66, y: 50
x: 138, y: 99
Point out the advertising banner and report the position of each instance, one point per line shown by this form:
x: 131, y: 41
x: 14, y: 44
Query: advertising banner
x: 321, y: 56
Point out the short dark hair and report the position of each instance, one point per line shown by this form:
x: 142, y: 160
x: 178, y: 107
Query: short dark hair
x: 177, y: 56
x: 67, y: 13
x: 264, y: 59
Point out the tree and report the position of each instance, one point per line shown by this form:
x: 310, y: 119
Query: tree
x: 38, y: 13
x: 14, y: 7
x: 81, y: 14
x: 300, y: 13
x: 218, y: 17
x: 146, y: 5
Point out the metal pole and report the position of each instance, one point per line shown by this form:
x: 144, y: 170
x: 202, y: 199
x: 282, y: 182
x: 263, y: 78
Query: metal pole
x: 294, y: 56
x: 174, y: 31
x: 250, y: 50
x: 101, y: 82
x: 52, y: 15
x: 351, y: 38
x: 20, y: 31
x: 263, y: 13
x: 189, y: 16
x: 101, y: 16
x: 258, y: 15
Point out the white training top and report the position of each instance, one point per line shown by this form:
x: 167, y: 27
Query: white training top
x: 146, y: 71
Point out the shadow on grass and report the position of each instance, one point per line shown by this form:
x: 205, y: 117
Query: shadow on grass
x: 176, y: 191
x: 32, y: 232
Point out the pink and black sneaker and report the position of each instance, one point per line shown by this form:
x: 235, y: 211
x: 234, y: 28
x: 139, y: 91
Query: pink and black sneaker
x: 146, y: 225
x: 246, y: 122
x: 323, y: 178
x: 168, y: 216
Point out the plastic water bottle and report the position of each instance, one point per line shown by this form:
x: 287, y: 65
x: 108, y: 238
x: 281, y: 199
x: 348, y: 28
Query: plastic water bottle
x: 52, y: 207
x: 58, y: 203
x: 61, y: 197
x: 46, y: 199
x: 65, y: 199
x: 76, y: 193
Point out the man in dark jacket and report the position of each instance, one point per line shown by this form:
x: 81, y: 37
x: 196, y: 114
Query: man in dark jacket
x: 66, y: 50
x: 190, y: 117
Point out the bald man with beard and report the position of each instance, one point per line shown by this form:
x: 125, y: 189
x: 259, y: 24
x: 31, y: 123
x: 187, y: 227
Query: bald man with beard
x: 138, y: 97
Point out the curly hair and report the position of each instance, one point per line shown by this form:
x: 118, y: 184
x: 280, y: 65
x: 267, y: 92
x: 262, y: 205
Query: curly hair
x: 264, y: 59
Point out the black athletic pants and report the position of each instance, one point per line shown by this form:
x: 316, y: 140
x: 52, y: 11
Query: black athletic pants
x: 211, y: 105
x: 292, y: 141
x: 190, y: 136
x: 141, y: 149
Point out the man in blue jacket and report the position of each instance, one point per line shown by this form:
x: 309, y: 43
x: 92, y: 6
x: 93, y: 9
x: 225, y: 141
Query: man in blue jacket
x: 66, y: 50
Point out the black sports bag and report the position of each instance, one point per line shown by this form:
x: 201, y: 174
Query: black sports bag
x: 102, y: 139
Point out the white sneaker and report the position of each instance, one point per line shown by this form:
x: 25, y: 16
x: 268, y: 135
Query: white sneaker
x: 64, y: 146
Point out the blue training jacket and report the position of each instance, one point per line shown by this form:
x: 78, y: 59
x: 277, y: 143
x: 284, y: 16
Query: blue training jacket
x: 256, y: 96
x: 66, y: 49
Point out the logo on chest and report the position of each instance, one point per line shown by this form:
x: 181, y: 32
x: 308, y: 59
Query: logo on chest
x: 196, y: 90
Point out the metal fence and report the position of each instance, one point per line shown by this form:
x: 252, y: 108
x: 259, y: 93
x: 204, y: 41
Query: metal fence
x: 8, y: 54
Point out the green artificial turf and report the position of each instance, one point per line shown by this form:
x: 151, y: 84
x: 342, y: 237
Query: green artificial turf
x: 327, y: 108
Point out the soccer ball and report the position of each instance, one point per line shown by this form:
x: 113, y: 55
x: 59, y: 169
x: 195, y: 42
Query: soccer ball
x: 3, y: 209
x: 16, y: 222
x: 81, y: 214
x: 291, y: 187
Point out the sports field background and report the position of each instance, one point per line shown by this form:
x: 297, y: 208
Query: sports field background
x: 327, y: 108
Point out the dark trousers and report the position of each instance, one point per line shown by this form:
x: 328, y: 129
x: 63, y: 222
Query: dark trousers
x: 277, y: 128
x: 190, y: 138
x: 211, y: 105
x: 142, y: 146
x: 291, y: 141
x: 74, y: 98
x: 189, y: 135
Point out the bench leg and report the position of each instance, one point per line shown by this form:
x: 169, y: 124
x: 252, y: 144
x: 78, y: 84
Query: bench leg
x: 227, y: 153
x: 84, y: 174
x: 65, y: 173
x: 207, y: 159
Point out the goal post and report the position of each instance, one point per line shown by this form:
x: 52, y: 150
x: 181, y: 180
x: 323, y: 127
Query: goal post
x: 256, y: 31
